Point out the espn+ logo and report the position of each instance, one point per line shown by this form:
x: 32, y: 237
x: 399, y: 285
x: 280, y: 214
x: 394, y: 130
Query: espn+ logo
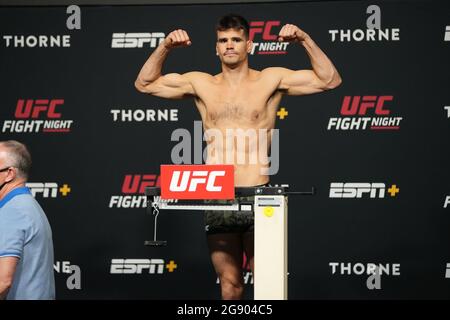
x: 359, y: 190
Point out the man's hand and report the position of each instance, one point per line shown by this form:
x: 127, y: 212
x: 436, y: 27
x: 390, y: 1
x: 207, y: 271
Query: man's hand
x: 292, y: 33
x: 177, y: 38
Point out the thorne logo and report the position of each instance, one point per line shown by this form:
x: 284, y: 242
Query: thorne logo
x: 40, y: 115
x: 372, y: 270
x: 372, y: 33
x: 267, y: 31
x: 343, y: 268
x: 352, y: 190
x: 365, y: 113
x: 65, y: 267
x: 48, y: 189
x: 144, y: 115
x: 39, y: 41
x: 133, y: 190
x: 197, y: 182
x: 141, y: 266
x: 137, y: 39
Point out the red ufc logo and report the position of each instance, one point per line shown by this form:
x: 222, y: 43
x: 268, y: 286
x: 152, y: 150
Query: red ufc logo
x: 33, y: 108
x: 265, y: 28
x: 137, y: 183
x: 357, y: 105
x: 197, y: 182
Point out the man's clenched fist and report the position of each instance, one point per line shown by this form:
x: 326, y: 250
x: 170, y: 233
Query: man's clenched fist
x: 177, y: 38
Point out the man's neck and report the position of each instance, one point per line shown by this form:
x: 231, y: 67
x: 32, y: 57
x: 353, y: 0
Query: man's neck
x: 235, y: 75
x: 7, y: 188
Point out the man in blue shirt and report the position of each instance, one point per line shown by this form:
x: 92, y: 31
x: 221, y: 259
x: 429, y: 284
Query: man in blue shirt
x: 26, y: 245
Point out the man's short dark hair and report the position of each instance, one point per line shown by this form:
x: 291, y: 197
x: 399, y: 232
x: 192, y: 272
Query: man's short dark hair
x: 20, y: 157
x: 233, y: 21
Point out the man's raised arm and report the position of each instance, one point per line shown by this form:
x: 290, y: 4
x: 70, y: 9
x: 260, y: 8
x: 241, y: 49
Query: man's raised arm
x: 323, y: 75
x: 172, y: 85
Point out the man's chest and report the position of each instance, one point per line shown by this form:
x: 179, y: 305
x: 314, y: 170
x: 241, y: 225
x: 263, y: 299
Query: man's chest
x: 247, y: 102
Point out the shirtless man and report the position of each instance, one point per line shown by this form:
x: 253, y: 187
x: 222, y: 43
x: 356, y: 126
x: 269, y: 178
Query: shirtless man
x: 236, y: 98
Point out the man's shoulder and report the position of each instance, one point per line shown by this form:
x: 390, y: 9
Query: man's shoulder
x: 21, y: 205
x: 15, y: 213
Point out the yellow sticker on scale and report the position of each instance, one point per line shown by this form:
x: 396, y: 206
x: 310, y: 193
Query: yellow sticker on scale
x: 268, y: 211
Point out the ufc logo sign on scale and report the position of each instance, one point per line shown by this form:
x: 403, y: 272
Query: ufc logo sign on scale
x: 197, y: 182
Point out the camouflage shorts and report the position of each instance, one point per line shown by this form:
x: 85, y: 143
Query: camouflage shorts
x: 229, y: 221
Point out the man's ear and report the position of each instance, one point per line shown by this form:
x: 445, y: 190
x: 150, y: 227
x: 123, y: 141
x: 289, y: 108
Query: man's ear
x: 12, y: 174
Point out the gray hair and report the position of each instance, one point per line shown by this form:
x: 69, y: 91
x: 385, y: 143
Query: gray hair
x: 19, y: 156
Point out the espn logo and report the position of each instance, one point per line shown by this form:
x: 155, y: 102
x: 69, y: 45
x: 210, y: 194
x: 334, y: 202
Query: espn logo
x: 137, y: 40
x: 136, y: 266
x: 358, y: 105
x: 33, y: 108
x: 197, y: 182
x: 356, y: 190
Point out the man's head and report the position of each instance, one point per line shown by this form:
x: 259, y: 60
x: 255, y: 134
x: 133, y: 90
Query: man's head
x: 15, y: 162
x: 233, y: 44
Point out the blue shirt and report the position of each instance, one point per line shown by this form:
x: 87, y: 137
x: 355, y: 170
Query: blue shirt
x: 26, y: 234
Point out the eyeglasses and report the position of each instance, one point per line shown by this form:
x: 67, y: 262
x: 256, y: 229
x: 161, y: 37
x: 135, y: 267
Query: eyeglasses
x: 4, y: 169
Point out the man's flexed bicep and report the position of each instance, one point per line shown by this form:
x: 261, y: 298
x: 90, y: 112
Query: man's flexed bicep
x: 170, y: 86
x: 323, y: 75
x: 173, y: 85
x: 299, y: 82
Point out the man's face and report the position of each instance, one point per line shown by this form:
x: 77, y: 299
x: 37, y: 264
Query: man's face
x: 5, y: 171
x: 232, y: 46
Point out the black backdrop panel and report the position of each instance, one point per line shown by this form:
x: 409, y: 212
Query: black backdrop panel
x: 110, y: 149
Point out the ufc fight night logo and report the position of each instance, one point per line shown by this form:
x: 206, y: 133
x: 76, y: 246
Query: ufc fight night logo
x: 447, y: 202
x: 137, y: 40
x: 197, y: 182
x: 38, y: 115
x: 267, y: 31
x: 133, y: 190
x: 365, y: 113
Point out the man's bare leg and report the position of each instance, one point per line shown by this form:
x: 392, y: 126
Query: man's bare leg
x: 226, y: 255
x: 249, y: 248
